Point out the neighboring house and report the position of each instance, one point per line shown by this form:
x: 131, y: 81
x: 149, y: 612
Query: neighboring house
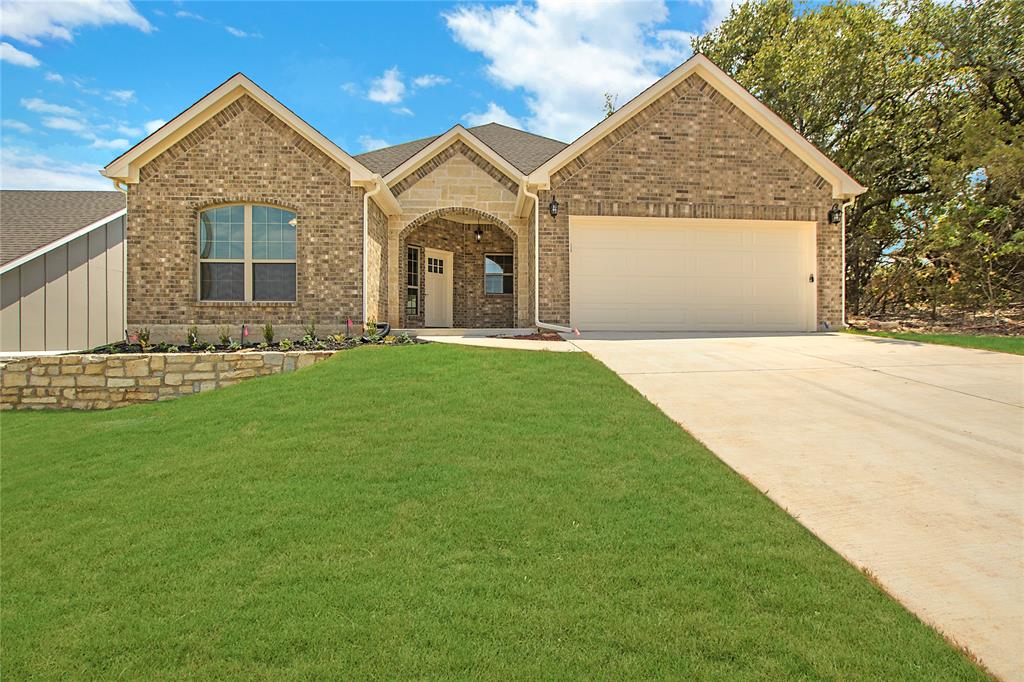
x: 693, y: 207
x: 62, y: 263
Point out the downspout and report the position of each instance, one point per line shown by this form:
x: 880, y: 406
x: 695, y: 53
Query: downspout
x: 536, y: 267
x: 366, y: 236
x: 843, y: 275
x: 123, y: 188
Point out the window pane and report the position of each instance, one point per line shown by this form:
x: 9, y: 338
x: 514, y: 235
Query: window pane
x: 507, y: 284
x: 221, y: 233
x: 493, y: 284
x: 273, y: 233
x: 221, y: 281
x: 412, y: 300
x: 497, y: 264
x: 273, y: 282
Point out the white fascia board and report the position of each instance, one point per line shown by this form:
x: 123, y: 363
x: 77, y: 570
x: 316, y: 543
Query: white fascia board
x: 457, y: 132
x: 126, y: 167
x: 46, y: 248
x: 843, y: 186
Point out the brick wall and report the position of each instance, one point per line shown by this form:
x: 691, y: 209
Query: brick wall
x: 458, y: 178
x: 377, y: 264
x: 98, y: 382
x: 689, y: 154
x: 472, y: 308
x: 243, y: 154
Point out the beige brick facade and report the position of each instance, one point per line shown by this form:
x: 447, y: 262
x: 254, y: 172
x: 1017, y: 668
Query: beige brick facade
x: 243, y: 154
x: 689, y: 154
x: 472, y: 307
x: 459, y: 183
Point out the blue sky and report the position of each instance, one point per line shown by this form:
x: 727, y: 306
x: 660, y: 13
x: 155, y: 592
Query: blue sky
x: 83, y: 81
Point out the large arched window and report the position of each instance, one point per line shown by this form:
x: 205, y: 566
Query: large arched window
x: 246, y: 253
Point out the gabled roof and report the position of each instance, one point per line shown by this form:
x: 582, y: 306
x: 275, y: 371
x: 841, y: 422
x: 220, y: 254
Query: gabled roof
x: 843, y: 186
x: 442, y: 142
x: 525, y: 151
x: 33, y: 222
x: 126, y: 167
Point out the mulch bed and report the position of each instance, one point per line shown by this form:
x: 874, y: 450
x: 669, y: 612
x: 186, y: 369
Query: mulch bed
x: 536, y: 336
x: 331, y: 343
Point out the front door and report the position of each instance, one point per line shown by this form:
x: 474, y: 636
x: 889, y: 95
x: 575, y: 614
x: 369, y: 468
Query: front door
x: 439, y: 284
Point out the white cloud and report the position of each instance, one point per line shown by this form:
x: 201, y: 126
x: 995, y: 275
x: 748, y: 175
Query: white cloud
x: 41, y: 106
x: 128, y: 130
x: 388, y: 89
x: 370, y: 143
x: 350, y: 88
x: 73, y: 125
x: 151, y: 126
x: 717, y: 10
x: 429, y: 80
x: 16, y: 125
x: 565, y: 56
x: 119, y: 143
x: 12, y: 55
x: 182, y: 14
x: 494, y: 114
x: 29, y: 20
x: 239, y: 33
x: 121, y: 96
x: 54, y: 77
x: 24, y: 170
x: 402, y: 111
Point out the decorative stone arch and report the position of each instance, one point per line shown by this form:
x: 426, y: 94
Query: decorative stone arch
x: 448, y: 211
x: 445, y: 216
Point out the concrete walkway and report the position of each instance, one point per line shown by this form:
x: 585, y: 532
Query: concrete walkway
x: 497, y: 342
x: 906, y: 458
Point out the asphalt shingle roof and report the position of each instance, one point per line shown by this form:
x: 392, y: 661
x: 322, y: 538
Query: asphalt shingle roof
x: 523, y: 150
x: 30, y: 219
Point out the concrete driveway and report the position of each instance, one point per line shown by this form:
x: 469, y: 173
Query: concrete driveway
x: 906, y: 458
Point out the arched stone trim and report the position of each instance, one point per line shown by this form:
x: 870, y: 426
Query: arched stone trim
x: 483, y: 216
x: 199, y: 205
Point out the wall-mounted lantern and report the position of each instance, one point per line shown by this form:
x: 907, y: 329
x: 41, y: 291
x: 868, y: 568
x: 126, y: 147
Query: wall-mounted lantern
x: 478, y: 233
x: 835, y: 216
x: 553, y: 207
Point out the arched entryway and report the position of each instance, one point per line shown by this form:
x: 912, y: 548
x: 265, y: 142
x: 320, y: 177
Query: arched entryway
x: 457, y: 269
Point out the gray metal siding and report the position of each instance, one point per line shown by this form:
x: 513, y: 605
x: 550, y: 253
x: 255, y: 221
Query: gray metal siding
x: 70, y: 298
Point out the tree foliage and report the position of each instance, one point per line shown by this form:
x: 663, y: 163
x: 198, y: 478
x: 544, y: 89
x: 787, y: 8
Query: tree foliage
x: 921, y: 102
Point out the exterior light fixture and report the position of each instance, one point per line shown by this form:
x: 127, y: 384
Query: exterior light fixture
x: 479, y: 233
x: 553, y: 206
x: 835, y: 215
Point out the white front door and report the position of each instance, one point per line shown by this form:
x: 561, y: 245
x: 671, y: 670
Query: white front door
x: 439, y: 284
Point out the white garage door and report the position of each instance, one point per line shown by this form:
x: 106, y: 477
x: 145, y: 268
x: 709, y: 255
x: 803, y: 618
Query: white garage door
x: 667, y: 274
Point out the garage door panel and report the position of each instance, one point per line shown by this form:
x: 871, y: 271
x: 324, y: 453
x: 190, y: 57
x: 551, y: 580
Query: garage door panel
x: 691, y: 275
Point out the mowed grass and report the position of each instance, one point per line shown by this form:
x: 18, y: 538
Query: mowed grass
x: 1002, y: 344
x: 420, y: 512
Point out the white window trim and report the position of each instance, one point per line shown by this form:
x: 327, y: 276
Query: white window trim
x: 247, y: 260
x: 511, y: 273
x: 419, y: 274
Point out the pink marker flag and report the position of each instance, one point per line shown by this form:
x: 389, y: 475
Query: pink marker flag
x: 245, y: 330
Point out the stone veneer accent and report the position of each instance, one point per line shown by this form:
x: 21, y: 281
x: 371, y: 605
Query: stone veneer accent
x: 689, y: 154
x: 242, y: 154
x: 98, y: 382
x: 457, y: 181
x: 472, y: 308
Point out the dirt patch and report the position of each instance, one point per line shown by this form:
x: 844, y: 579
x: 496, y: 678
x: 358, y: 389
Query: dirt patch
x: 1007, y: 322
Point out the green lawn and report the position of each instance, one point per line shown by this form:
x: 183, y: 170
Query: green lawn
x: 1003, y: 344
x: 425, y: 511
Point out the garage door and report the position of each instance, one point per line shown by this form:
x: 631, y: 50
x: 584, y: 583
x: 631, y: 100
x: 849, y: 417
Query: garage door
x: 665, y: 274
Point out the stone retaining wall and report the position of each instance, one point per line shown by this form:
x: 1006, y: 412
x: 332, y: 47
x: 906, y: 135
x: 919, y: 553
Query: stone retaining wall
x: 98, y: 382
